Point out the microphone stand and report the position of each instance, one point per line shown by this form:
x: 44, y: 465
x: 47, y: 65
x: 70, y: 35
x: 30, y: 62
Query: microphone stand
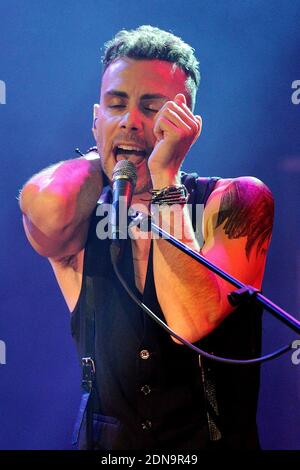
x: 244, y: 292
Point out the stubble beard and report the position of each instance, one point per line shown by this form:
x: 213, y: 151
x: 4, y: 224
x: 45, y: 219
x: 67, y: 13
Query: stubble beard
x: 144, y: 182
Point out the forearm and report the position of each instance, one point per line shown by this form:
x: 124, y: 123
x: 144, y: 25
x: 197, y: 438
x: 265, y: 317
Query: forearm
x: 63, y: 194
x: 188, y: 293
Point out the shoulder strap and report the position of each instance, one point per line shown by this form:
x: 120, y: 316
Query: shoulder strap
x: 85, y: 414
x: 199, y: 188
x: 205, y: 186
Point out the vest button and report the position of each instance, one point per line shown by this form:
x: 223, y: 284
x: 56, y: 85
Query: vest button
x: 144, y: 354
x: 146, y: 425
x: 145, y: 389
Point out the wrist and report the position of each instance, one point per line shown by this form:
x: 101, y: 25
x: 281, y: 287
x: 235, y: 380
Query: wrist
x: 162, y: 180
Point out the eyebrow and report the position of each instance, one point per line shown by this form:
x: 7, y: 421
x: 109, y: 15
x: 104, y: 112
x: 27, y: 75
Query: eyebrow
x: 147, y: 96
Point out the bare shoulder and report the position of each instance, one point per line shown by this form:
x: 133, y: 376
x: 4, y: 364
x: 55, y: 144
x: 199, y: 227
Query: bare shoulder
x: 241, y: 207
x: 245, y: 190
x: 68, y: 271
x: 245, y: 183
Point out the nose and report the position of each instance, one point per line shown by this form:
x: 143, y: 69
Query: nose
x: 132, y: 120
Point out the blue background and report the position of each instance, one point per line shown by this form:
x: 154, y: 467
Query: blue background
x: 50, y: 61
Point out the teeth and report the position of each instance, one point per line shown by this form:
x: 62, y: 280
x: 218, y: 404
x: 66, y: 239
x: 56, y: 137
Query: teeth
x: 128, y: 147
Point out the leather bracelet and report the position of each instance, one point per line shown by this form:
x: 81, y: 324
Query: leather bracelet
x: 175, y: 194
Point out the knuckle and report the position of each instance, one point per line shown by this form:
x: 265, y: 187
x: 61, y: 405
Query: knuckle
x: 170, y: 106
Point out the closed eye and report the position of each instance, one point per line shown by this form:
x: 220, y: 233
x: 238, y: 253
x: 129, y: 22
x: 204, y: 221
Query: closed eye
x: 151, y: 109
x: 116, y: 106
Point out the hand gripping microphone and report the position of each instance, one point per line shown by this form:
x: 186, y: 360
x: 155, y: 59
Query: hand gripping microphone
x: 124, y: 180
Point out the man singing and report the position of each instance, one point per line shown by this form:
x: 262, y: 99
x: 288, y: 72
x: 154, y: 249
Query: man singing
x: 151, y: 392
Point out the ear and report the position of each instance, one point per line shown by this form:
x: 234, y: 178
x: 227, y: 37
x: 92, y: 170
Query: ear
x: 95, y: 117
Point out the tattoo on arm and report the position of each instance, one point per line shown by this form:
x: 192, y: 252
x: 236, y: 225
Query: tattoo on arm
x: 248, y: 211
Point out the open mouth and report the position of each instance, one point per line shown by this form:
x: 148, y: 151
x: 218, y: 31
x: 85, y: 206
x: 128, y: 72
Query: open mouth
x: 129, y: 152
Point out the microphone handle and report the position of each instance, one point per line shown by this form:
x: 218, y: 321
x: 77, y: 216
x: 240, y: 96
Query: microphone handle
x: 122, y: 195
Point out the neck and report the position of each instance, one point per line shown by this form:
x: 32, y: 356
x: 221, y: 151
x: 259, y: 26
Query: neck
x: 142, y: 199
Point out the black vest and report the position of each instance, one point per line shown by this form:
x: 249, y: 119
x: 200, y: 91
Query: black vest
x: 151, y: 392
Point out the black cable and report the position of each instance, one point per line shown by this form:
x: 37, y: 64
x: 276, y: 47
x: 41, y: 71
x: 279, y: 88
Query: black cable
x: 149, y: 312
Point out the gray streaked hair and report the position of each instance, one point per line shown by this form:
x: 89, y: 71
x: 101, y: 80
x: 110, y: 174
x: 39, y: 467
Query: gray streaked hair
x: 148, y: 42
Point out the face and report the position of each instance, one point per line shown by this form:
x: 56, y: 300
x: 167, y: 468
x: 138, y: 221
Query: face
x: 132, y: 92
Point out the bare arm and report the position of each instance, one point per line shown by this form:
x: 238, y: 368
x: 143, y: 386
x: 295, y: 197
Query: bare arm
x: 237, y: 229
x: 57, y: 203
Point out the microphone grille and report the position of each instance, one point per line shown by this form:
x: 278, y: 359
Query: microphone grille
x: 125, y: 169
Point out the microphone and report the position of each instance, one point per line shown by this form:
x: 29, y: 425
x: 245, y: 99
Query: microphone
x: 124, y: 179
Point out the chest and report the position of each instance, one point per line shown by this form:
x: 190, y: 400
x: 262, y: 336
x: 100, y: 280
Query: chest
x: 140, y: 256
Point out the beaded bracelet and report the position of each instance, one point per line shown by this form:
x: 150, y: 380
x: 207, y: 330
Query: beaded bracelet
x: 175, y: 194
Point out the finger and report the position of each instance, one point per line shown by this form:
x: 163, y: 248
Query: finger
x: 181, y: 105
x: 178, y: 121
x: 199, y: 119
x: 164, y: 125
x: 189, y: 119
x: 180, y: 98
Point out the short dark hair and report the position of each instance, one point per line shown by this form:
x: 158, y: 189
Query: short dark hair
x: 148, y: 42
